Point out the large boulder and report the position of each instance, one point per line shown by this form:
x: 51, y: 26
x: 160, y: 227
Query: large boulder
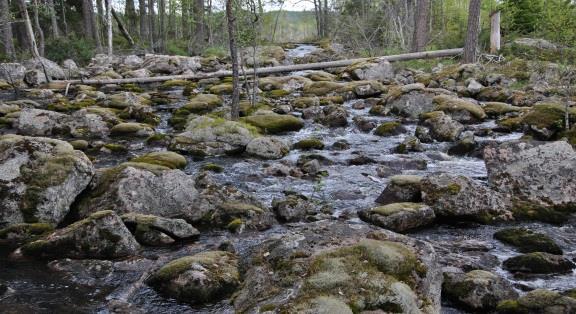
x: 333, y: 264
x: 51, y: 68
x: 442, y: 127
x: 399, y: 217
x: 164, y: 64
x: 539, y: 301
x: 528, y: 241
x: 204, y: 277
x: 275, y: 123
x: 12, y: 72
x: 38, y: 122
x: 379, y: 71
x: 461, y: 110
x: 477, y: 290
x: 410, y: 100
x: 154, y: 230
x: 267, y: 148
x: 538, y: 173
x: 39, y: 179
x: 102, y: 235
x: 539, y: 263
x: 460, y: 197
x: 402, y: 188
x: 205, y: 136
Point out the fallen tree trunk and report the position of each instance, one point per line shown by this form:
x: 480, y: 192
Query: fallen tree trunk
x: 122, y: 28
x: 273, y: 70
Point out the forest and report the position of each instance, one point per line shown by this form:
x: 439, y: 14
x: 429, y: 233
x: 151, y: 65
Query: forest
x: 288, y: 156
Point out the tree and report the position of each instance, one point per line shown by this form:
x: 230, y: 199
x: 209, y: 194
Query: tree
x: 472, y: 32
x: 421, y: 26
x: 39, y: 30
x: 29, y: 30
x: 53, y: 19
x: 109, y: 26
x: 199, y: 27
x: 130, y: 12
x: 6, y: 29
x: 151, y: 23
x: 235, y: 106
x: 162, y: 26
x: 143, y: 20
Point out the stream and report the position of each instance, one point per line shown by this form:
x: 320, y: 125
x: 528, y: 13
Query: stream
x: 347, y: 188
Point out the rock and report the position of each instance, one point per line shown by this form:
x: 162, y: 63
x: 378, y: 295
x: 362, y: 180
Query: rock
x: 539, y: 263
x: 541, y: 174
x: 39, y: 179
x: 37, y: 122
x: 423, y: 134
x: 141, y: 188
x: 206, y: 136
x: 460, y: 197
x: 140, y: 73
x: 142, y: 225
x: 442, y: 127
x: 382, y: 71
x: 324, y: 305
x: 464, y: 146
x: 124, y: 100
x: 201, y: 103
x: 496, y: 109
x: 461, y: 110
x: 336, y: 261
x: 534, y: 43
x: 132, y: 129
x: 163, y: 64
x: 399, y: 217
x: 201, y: 278
x: 309, y: 144
x: 51, y: 68
x: 265, y: 56
x: 341, y: 145
x: 294, y: 208
x: 402, y: 188
x: 528, y: 241
x: 544, y: 121
x: 35, y: 77
x: 334, y: 116
x: 311, y: 167
x: 494, y: 94
x: 166, y: 159
x: 275, y: 123
x: 409, y: 144
x: 539, y: 301
x: 410, y: 100
x: 474, y: 87
x: 102, y: 236
x: 12, y: 72
x: 364, y: 124
x: 132, y: 61
x: 267, y: 148
x: 390, y: 129
x: 477, y: 290
x: 18, y: 234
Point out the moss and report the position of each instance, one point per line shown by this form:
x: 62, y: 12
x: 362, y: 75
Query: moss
x: 158, y: 137
x: 131, y: 88
x: 329, y: 100
x: 510, y: 124
x: 305, y: 102
x: 448, y: 104
x: 495, y: 109
x: 405, y: 180
x: 235, y: 225
x: 537, y: 262
x: 275, y: 123
x: 267, y: 307
x: 167, y: 159
x: 222, y: 89
x: 131, y: 128
x: 277, y: 93
x: 79, y: 144
x: 116, y: 148
x: 389, y: 129
x: 510, y: 307
x: 322, y: 88
x: 213, y: 167
x: 394, y: 208
x: 175, y: 83
x: 201, y: 103
x: 570, y: 136
x: 548, y: 116
x: 247, y: 109
x: 309, y: 143
x: 26, y: 230
x: 528, y: 241
x: 430, y: 115
x: 454, y: 188
x: 528, y: 211
x: 63, y: 105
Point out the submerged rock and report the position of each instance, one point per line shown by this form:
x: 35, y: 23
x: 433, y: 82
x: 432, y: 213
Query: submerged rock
x: 205, y: 277
x: 102, y: 236
x: 295, y: 208
x: 39, y: 179
x: 399, y: 217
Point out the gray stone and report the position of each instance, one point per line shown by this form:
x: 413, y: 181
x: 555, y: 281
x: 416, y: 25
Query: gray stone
x: 477, y: 289
x: 267, y: 148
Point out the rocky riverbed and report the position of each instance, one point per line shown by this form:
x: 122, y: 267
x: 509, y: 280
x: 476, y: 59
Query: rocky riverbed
x: 371, y: 189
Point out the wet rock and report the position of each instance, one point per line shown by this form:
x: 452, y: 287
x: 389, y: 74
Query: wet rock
x: 464, y: 146
x: 143, y: 225
x: 442, y: 127
x: 461, y: 110
x: 235, y: 215
x: 206, y: 136
x: 334, y: 116
x: 102, y: 236
x: 539, y: 301
x: 282, y: 170
x: 423, y: 134
x: 409, y: 144
x: 295, y: 207
x: 477, y: 290
x: 132, y: 129
x: 267, y: 148
x: 541, y: 174
x: 466, y: 255
x: 335, y: 260
x: 364, y: 124
x: 341, y: 145
x: 201, y: 278
x: 539, y: 263
x: 39, y: 179
x: 460, y: 197
x: 309, y: 144
x: 311, y: 167
x: 390, y: 129
x: 399, y: 217
x: 18, y: 234
x: 402, y: 188
x: 275, y: 123
x: 545, y: 120
x: 528, y: 241
x: 361, y: 159
x: 166, y: 159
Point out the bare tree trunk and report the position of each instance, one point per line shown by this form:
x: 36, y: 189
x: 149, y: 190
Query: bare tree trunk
x: 473, y: 32
x: 109, y: 27
x: 95, y: 25
x: 87, y: 18
x: 38, y: 28
x: 130, y: 13
x: 421, y: 26
x: 185, y: 9
x: 122, y: 28
x: 53, y: 19
x: 162, y: 26
x: 29, y: 30
x: 6, y: 30
x: 325, y: 18
x: 235, y: 107
x: 276, y: 22
x: 64, y: 17
x: 151, y: 23
x: 143, y: 20
x: 495, y: 32
x: 317, y: 13
x: 199, y: 26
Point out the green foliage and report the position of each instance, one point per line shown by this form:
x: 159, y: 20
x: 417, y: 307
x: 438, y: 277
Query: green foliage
x: 215, y: 51
x: 78, y: 49
x: 177, y: 47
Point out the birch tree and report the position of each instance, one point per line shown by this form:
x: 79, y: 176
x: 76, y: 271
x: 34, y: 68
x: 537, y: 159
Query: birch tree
x: 231, y: 19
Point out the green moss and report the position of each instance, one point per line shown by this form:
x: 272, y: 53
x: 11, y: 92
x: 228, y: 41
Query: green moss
x: 222, y: 89
x: 330, y: 100
x: 571, y: 136
x: 305, y: 102
x: 158, y: 137
x: 309, y: 143
x: 394, y: 208
x: 26, y: 230
x: 430, y: 115
x: 528, y: 241
x: 389, y: 129
x: 167, y: 159
x: 510, y: 307
x: 201, y: 103
x: 131, y: 88
x: 275, y: 123
x: 267, y: 308
x: 175, y: 83
x: 235, y: 225
x: 448, y: 104
x: 454, y: 188
x: 495, y: 109
x: 406, y: 180
x: 511, y: 124
x: 528, y: 211
x: 79, y: 144
x: 130, y: 128
x: 116, y: 148
x: 322, y: 88
x: 213, y: 167
x: 277, y: 93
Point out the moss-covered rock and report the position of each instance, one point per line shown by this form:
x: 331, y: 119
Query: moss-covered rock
x: 305, y: 102
x: 460, y: 109
x: 213, y: 167
x: 126, y: 99
x: 322, y: 88
x: 201, y: 103
x: 309, y: 143
x: 390, y: 129
x: 538, y: 301
x: 146, y: 228
x: 114, y: 148
x: 175, y: 84
x: 267, y: 148
x: 546, y: 120
x: 132, y: 129
x: 528, y: 241
x: 539, y: 263
x: 222, y: 89
x: 102, y: 235
x: 399, y: 217
x: 497, y: 109
x: 167, y: 159
x: 275, y: 123
x: 19, y: 234
x: 402, y: 188
x: 204, y: 277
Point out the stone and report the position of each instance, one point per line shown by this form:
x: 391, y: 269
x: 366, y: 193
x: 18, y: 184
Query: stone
x: 539, y: 263
x: 528, y: 241
x: 442, y: 127
x: 275, y: 123
x: 390, y: 129
x: 402, y: 188
x: 176, y: 229
x: 132, y: 129
x: 461, y: 110
x: 167, y: 159
x: 267, y: 148
x: 102, y: 235
x: 539, y: 301
x: 399, y: 217
x: 309, y: 144
x: 51, y: 68
x: 477, y: 290
x: 334, y: 116
x: 12, y: 73
x: 381, y: 71
x: 293, y: 208
x: 460, y: 197
x: 39, y: 179
x: 201, y: 278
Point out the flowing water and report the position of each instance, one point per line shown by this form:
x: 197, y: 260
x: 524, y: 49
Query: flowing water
x: 348, y: 188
